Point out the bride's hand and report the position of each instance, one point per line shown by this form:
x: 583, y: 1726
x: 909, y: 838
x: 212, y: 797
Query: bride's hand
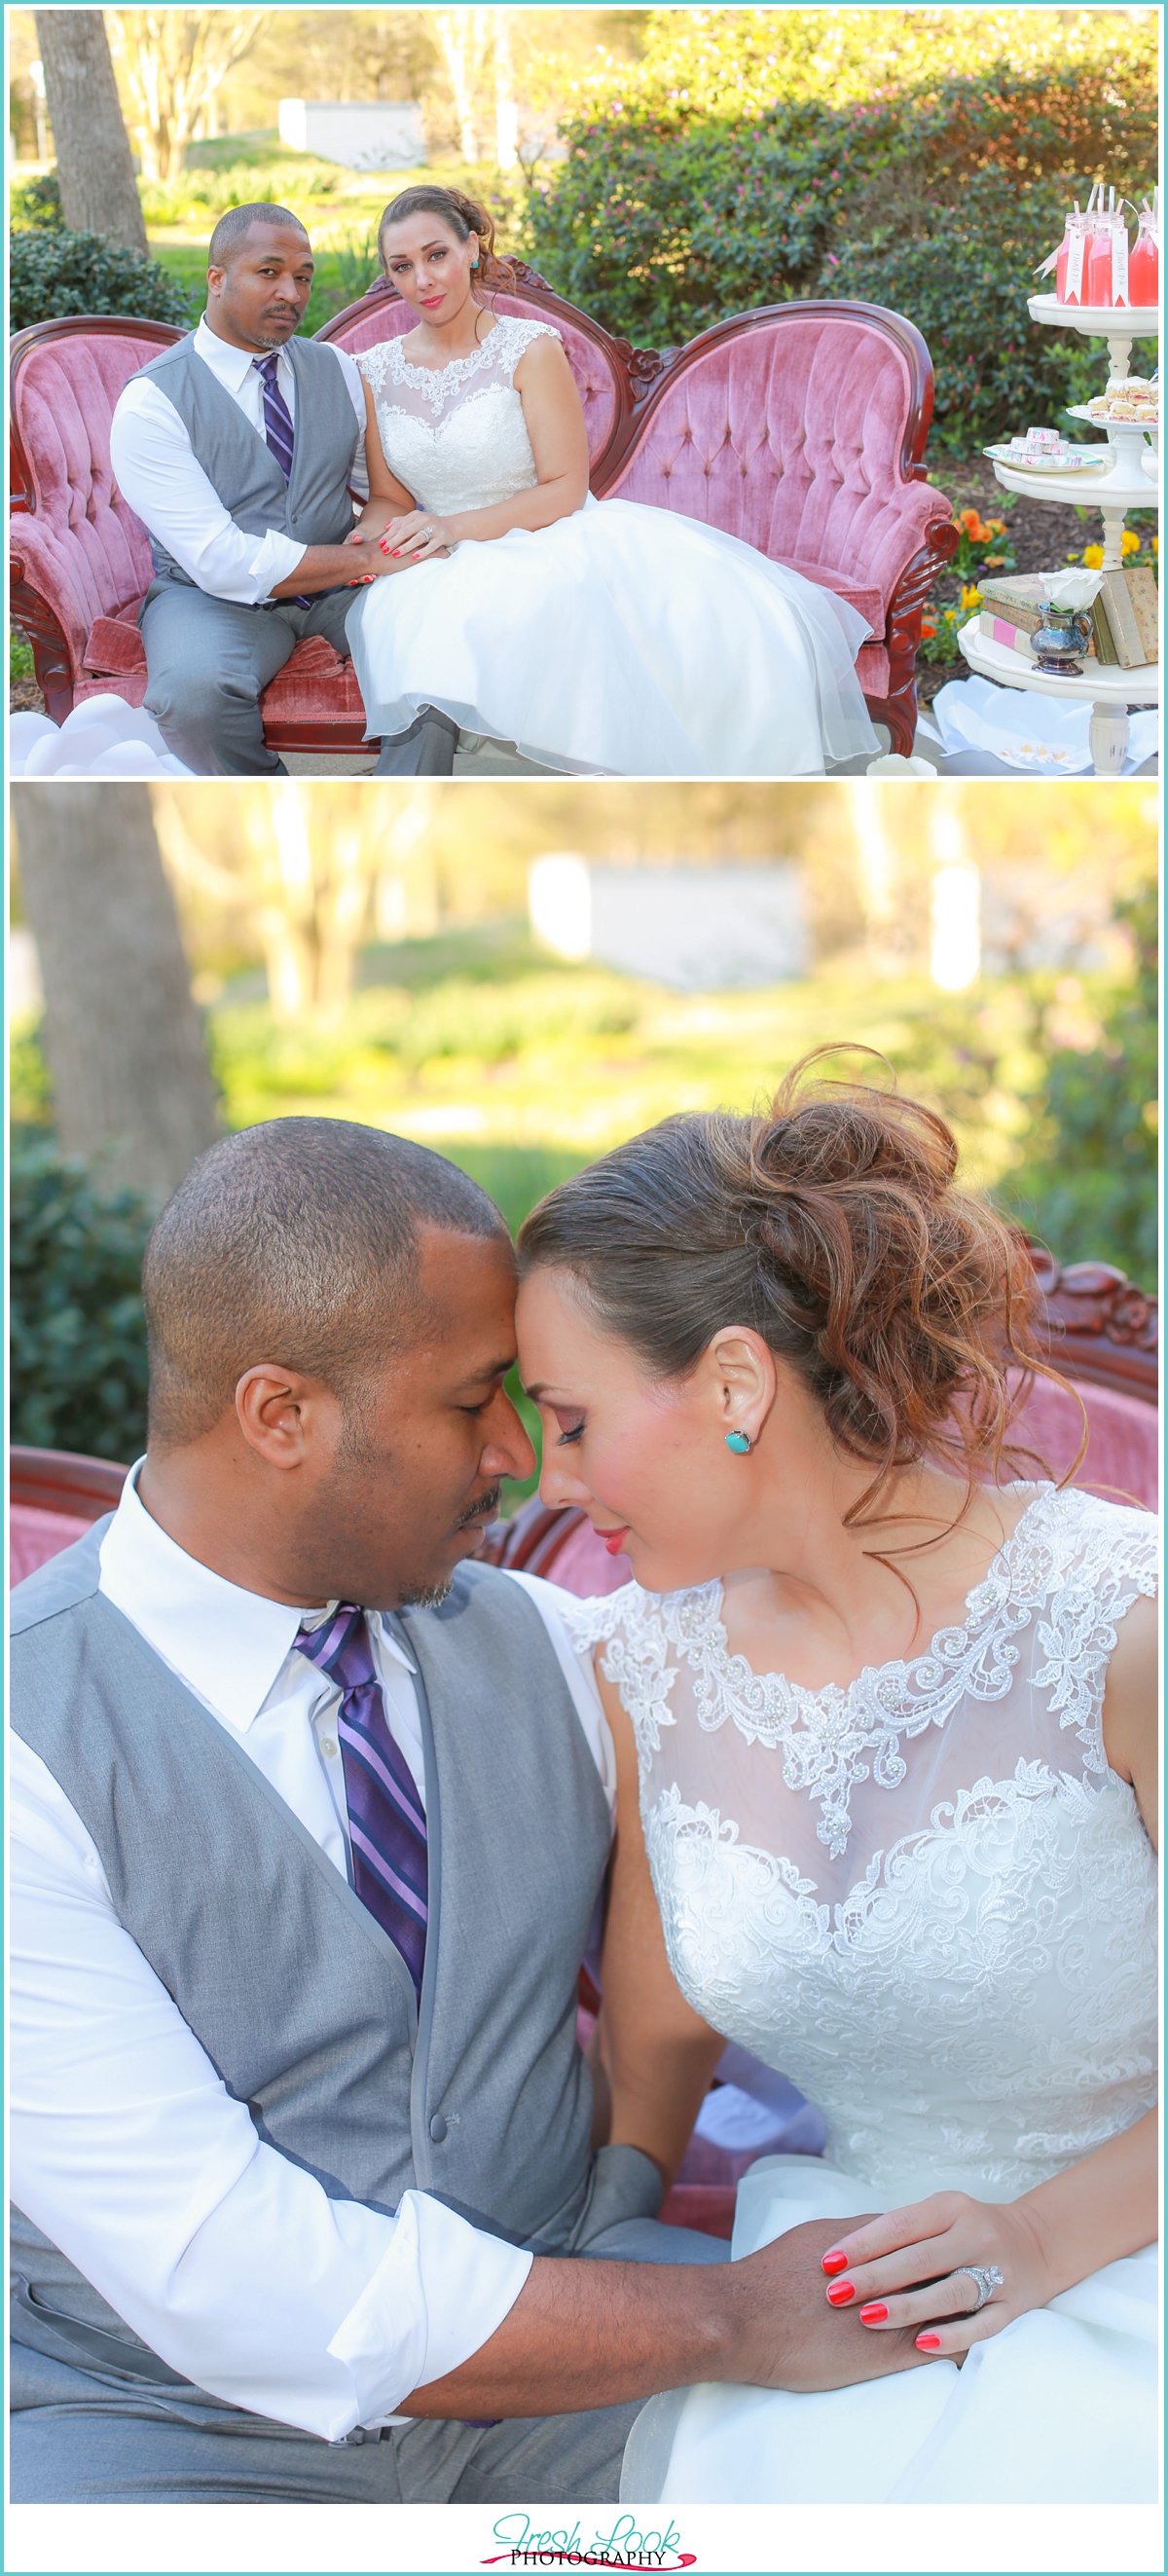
x: 418, y: 537
x: 876, y: 2270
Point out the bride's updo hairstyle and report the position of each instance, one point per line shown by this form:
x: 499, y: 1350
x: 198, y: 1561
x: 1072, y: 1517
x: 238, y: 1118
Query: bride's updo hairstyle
x: 463, y: 216
x: 833, y: 1227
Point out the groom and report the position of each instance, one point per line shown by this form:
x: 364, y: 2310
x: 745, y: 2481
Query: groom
x: 308, y: 1821
x: 238, y: 448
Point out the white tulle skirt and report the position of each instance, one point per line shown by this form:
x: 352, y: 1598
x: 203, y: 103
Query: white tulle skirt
x: 621, y: 642
x: 1060, y: 2408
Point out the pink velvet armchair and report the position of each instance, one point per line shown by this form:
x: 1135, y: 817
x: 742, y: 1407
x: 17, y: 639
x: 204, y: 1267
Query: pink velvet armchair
x: 800, y: 427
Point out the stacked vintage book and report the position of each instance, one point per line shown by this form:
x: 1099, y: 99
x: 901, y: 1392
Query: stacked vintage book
x: 1124, y: 617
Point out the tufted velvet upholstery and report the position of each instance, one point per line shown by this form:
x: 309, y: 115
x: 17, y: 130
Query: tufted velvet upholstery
x: 799, y: 429
x: 792, y: 434
x: 82, y: 548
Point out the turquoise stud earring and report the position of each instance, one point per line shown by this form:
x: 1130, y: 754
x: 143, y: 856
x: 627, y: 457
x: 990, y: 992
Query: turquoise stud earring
x: 738, y: 1442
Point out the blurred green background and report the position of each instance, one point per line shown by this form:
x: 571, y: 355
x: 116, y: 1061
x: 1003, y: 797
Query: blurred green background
x: 351, y: 964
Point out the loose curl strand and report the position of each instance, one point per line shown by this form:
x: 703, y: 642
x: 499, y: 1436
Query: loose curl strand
x: 832, y: 1224
x: 463, y: 216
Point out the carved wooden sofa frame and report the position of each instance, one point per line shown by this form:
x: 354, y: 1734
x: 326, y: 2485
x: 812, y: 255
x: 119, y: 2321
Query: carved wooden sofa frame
x: 79, y: 557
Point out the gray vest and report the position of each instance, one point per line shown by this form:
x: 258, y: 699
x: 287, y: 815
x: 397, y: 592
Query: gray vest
x: 314, y: 507
x: 301, y: 2001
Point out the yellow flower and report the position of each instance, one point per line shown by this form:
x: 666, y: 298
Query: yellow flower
x: 1129, y: 542
x: 1155, y: 545
x: 970, y: 595
x: 1093, y: 557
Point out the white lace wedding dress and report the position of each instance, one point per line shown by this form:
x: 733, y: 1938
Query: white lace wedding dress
x: 930, y: 1902
x: 621, y: 641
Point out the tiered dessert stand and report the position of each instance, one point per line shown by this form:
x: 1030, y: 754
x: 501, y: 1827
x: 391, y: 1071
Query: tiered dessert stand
x: 1118, y: 484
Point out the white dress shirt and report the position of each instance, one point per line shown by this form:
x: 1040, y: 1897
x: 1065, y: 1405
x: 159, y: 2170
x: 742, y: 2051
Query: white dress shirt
x: 126, y: 2148
x: 159, y: 475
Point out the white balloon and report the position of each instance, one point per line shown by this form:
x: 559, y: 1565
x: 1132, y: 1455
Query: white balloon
x: 106, y: 707
x: 128, y: 760
x: 23, y: 730
x: 44, y: 758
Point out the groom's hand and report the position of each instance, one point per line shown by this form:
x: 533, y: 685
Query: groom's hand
x: 369, y: 561
x: 785, y: 2334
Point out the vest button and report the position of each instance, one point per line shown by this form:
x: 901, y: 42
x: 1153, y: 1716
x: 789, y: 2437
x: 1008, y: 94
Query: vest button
x: 437, y: 2128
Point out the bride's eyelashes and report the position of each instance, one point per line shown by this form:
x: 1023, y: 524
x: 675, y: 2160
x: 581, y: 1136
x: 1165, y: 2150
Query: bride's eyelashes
x: 564, y: 1439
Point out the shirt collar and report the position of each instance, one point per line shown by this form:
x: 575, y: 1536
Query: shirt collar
x: 231, y: 365
x: 227, y: 1644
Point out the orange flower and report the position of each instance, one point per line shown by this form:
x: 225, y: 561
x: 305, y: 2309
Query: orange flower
x: 928, y: 630
x: 973, y: 526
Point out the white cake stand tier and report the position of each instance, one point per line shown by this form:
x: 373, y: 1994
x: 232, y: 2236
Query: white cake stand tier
x: 1109, y: 692
x: 1118, y: 324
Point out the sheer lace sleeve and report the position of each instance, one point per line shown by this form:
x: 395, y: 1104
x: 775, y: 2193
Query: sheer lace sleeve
x: 1113, y: 1561
x: 521, y: 333
x: 631, y: 1636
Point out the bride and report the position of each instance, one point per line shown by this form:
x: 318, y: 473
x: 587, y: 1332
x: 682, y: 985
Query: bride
x: 885, y: 1720
x: 594, y: 636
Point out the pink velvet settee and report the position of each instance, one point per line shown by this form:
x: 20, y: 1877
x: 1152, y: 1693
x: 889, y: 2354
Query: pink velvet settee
x: 800, y: 427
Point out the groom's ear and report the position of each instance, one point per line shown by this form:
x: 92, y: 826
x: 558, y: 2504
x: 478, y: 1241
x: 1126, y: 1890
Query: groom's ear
x: 278, y: 1411
x: 742, y: 1378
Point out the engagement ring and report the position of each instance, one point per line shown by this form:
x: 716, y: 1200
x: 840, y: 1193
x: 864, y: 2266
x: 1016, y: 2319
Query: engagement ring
x: 987, y: 2277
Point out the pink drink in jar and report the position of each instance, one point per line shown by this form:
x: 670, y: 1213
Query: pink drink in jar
x: 1060, y: 266
x: 1144, y: 264
x: 1098, y: 266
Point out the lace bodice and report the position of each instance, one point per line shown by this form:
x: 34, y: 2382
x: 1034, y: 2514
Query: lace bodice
x: 926, y: 1897
x: 455, y: 435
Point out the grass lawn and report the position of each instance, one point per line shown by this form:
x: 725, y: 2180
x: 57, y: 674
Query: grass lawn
x: 340, y: 208
x: 522, y: 1069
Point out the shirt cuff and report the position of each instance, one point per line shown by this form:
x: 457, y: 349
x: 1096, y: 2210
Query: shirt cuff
x: 439, y: 2293
x: 275, y: 557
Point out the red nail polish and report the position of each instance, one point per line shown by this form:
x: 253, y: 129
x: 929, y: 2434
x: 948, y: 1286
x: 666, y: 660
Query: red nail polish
x: 840, y: 2292
x: 835, y: 2262
x: 928, y: 2343
x: 874, y: 2314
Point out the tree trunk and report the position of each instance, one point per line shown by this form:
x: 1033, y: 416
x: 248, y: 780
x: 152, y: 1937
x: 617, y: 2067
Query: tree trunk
x: 124, y: 1041
x: 94, y: 167
x: 506, y: 107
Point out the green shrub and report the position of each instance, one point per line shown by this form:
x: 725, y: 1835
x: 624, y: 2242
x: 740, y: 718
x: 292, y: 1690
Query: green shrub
x: 918, y: 159
x: 36, y: 206
x: 53, y: 273
x: 78, y: 1337
x: 965, y: 286
x: 198, y: 194
x: 1091, y: 1180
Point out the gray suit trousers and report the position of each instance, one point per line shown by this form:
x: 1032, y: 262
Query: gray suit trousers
x: 208, y: 660
x: 97, y: 2436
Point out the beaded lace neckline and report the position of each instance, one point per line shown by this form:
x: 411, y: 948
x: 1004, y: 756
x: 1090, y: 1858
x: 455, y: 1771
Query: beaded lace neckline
x: 454, y: 367
x: 898, y: 1677
x: 439, y: 382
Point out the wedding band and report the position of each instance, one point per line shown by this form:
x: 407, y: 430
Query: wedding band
x: 987, y: 2277
x: 425, y: 534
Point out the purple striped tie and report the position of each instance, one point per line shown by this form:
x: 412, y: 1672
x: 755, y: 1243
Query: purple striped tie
x: 387, y: 1827
x: 278, y: 429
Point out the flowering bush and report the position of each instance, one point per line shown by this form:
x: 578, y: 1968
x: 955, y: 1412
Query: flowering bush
x: 914, y: 158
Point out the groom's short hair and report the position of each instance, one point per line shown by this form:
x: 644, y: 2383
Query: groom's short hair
x: 295, y: 1242
x: 238, y: 220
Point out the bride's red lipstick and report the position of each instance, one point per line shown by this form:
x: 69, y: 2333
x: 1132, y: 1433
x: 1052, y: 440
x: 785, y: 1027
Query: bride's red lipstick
x: 614, y: 1539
